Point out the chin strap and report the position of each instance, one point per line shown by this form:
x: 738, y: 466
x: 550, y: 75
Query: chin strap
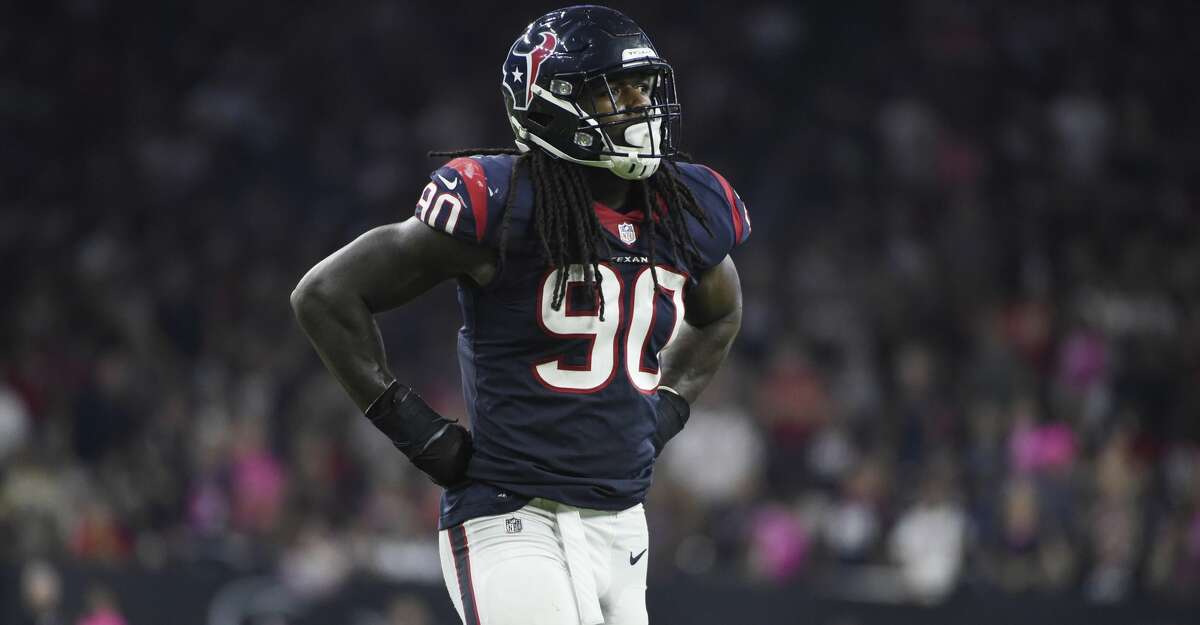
x: 632, y: 167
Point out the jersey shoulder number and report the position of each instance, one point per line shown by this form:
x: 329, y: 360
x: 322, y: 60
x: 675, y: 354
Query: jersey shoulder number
x: 465, y: 197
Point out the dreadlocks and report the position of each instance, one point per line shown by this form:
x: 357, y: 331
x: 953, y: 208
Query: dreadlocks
x: 567, y: 226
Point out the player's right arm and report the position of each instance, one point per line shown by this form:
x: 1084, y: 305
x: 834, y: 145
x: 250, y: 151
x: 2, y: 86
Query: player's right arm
x: 335, y: 304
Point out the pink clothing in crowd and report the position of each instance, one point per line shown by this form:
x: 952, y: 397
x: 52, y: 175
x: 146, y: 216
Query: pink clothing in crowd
x: 103, y: 616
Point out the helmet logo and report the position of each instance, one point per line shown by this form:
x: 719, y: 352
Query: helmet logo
x: 524, y: 61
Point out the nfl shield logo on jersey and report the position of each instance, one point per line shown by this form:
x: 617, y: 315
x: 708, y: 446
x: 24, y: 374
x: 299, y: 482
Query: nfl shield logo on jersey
x: 513, y: 525
x: 628, y: 233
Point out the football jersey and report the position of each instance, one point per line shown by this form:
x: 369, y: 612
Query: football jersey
x: 562, y: 402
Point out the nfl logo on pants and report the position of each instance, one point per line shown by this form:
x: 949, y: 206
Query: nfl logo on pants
x: 513, y: 525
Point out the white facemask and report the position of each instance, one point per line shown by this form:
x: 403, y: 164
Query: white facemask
x: 638, y: 140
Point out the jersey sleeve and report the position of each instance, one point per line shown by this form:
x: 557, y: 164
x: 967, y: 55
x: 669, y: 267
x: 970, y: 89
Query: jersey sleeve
x: 724, y: 210
x: 465, y: 197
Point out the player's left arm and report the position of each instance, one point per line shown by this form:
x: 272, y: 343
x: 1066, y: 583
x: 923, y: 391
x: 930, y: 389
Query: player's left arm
x: 711, y: 321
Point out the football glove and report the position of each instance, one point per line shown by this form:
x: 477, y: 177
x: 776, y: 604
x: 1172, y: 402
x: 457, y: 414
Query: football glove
x: 672, y: 414
x: 436, y: 445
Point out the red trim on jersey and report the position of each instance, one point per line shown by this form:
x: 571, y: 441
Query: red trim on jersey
x: 732, y: 199
x: 611, y: 220
x: 475, y: 178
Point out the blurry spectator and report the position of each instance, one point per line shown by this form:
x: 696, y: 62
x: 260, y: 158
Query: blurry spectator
x: 208, y: 507
x: 1115, y: 523
x: 780, y: 543
x: 41, y: 594
x: 14, y: 421
x: 101, y: 609
x: 909, y: 131
x: 1082, y: 126
x: 1031, y: 553
x: 315, y: 564
x: 105, y: 415
x: 258, y: 479
x: 854, y: 523
x: 929, y: 539
x: 408, y: 610
x: 718, y: 427
x: 99, y: 534
x: 38, y: 501
x: 1083, y: 379
x: 793, y: 402
x: 1040, y: 447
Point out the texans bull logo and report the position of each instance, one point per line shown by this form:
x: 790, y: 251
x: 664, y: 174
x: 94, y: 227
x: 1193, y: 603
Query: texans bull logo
x: 524, y: 60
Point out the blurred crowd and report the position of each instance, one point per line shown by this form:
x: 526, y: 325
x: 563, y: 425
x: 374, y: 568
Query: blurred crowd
x: 970, y: 357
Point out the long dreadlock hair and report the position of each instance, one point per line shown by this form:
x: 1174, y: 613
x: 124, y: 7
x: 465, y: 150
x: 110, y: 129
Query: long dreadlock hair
x: 567, y: 225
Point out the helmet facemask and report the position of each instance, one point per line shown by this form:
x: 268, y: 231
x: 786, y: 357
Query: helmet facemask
x: 561, y: 118
x: 635, y: 139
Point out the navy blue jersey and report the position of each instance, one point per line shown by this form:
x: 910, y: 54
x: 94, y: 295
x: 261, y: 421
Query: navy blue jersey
x: 562, y: 402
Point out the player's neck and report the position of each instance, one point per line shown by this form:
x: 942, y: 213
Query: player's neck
x: 606, y: 188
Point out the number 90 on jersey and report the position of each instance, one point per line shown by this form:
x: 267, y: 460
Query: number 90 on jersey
x: 635, y: 324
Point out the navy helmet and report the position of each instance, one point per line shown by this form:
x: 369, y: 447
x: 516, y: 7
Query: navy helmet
x: 568, y: 54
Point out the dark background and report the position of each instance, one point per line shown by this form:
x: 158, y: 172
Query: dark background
x: 968, y: 374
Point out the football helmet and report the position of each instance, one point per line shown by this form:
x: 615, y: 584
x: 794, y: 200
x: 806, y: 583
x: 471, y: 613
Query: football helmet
x: 559, y: 62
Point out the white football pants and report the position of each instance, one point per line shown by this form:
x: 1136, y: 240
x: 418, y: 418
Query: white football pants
x: 548, y: 564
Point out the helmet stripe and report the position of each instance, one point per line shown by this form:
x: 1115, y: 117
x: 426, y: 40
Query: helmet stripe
x: 533, y: 62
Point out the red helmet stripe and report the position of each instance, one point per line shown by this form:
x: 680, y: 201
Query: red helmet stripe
x: 539, y: 54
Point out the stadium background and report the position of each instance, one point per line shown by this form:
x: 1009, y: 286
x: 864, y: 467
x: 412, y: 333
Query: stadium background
x: 967, y: 384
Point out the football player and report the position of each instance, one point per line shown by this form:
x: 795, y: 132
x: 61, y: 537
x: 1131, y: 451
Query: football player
x: 598, y: 299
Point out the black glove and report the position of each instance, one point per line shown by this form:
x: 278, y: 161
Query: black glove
x: 672, y: 415
x: 436, y: 445
x: 445, y: 458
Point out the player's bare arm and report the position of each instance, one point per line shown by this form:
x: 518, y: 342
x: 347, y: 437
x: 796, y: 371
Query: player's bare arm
x: 335, y: 304
x: 383, y: 269
x: 712, y: 319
